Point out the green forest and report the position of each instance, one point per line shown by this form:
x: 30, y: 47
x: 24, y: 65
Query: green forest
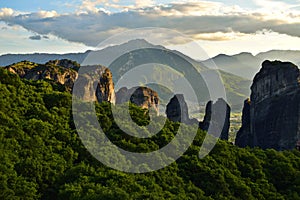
x: 42, y: 156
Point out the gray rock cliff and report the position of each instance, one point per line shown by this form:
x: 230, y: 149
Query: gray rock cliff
x: 217, y: 118
x: 177, y: 110
x: 271, y: 118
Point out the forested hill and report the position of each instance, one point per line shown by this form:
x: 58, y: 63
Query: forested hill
x: 42, y: 156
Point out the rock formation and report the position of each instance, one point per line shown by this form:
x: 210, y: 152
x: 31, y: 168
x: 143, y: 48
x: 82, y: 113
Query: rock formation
x: 177, y: 110
x: 49, y: 71
x: 69, y: 64
x: 243, y: 137
x: 105, y: 90
x: 95, y: 84
x: 217, y: 118
x: 271, y: 118
x: 141, y: 96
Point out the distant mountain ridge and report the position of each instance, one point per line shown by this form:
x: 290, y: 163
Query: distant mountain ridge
x: 113, y: 51
x: 40, y: 58
x: 244, y: 64
x: 247, y: 65
x: 237, y: 88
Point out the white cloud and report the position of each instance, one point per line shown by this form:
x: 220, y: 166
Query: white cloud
x: 144, y: 3
x: 95, y: 6
x: 6, y: 12
x: 198, y: 8
x: 288, y: 12
x: 47, y: 14
x: 276, y: 4
x: 219, y: 36
x: 91, y: 6
x: 201, y: 20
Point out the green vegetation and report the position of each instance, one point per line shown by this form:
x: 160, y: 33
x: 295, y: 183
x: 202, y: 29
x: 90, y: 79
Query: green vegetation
x: 24, y: 65
x: 235, y: 125
x: 42, y: 156
x: 237, y: 89
x: 37, y: 68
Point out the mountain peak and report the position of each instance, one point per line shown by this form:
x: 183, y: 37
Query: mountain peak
x: 245, y: 54
x: 133, y: 44
x: 139, y: 41
x: 221, y: 55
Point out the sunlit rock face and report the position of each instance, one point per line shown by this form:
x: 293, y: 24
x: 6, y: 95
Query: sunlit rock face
x: 96, y: 84
x: 141, y: 96
x: 49, y: 71
x: 271, y: 118
x: 105, y: 90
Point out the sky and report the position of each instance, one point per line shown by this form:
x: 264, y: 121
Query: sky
x: 217, y: 26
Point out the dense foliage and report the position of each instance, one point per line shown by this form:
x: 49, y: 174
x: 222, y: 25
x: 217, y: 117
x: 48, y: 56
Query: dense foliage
x: 42, y: 156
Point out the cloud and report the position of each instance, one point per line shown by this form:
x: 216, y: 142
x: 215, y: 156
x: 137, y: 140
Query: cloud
x: 199, y: 8
x: 95, y: 6
x: 219, y: 36
x: 91, y: 5
x: 47, y: 14
x: 278, y: 5
x: 35, y: 37
x: 199, y: 20
x: 6, y: 12
x: 144, y: 3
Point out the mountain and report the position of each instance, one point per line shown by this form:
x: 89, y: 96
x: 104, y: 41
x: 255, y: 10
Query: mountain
x: 40, y: 58
x: 243, y: 64
x: 237, y: 89
x: 290, y: 56
x: 247, y: 65
x: 141, y: 52
x: 115, y: 51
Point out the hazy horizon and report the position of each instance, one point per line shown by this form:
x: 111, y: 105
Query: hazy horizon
x: 168, y: 47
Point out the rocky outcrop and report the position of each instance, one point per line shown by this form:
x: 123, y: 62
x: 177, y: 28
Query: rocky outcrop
x: 217, y: 118
x: 177, y: 110
x: 33, y: 71
x: 141, y: 96
x: 95, y: 84
x: 69, y: 64
x: 243, y: 136
x: 105, y: 90
x: 271, y: 118
x: 96, y: 81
